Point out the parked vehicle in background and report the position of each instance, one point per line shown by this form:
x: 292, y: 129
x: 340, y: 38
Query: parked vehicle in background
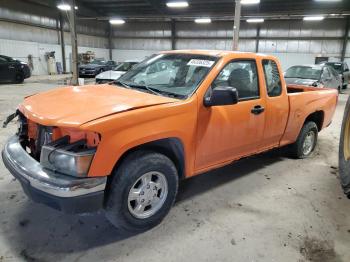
x: 12, y: 70
x: 159, y: 73
x: 342, y: 69
x: 313, y: 75
x: 95, y: 67
x: 127, y: 151
x: 117, y: 72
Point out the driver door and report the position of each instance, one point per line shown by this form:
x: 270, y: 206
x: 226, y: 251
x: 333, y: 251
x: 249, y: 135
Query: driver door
x: 226, y: 133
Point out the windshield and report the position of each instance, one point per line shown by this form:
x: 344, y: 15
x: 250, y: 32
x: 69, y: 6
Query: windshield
x: 336, y: 66
x: 125, y: 66
x: 304, y: 72
x: 98, y: 62
x: 176, y: 75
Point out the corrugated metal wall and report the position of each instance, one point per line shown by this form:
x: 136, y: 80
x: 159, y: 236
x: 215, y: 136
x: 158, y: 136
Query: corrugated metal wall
x: 24, y: 33
x: 293, y: 40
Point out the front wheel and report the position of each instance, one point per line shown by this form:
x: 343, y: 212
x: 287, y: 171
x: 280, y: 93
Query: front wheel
x: 306, y: 142
x: 141, y: 191
x: 19, y: 78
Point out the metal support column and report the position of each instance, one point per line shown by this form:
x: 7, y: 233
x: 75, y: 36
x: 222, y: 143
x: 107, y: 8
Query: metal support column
x: 110, y: 42
x: 63, y: 50
x: 257, y: 39
x: 346, y: 38
x: 236, y: 25
x: 173, y: 34
x: 74, y: 39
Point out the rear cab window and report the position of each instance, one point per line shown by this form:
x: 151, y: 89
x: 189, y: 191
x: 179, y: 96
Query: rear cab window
x: 272, y: 78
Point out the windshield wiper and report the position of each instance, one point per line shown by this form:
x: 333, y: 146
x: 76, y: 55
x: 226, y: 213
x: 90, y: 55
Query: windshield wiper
x: 150, y: 89
x: 118, y: 82
x: 159, y: 92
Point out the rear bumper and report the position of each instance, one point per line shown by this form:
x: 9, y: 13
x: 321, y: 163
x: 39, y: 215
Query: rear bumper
x: 69, y: 194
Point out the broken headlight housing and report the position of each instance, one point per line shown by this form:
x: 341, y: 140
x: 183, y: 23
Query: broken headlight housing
x: 69, y: 159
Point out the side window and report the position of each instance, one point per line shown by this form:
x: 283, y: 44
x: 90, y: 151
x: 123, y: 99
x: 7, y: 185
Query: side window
x: 241, y: 75
x: 272, y: 78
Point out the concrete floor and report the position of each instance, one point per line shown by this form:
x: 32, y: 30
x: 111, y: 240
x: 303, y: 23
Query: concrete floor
x: 266, y: 208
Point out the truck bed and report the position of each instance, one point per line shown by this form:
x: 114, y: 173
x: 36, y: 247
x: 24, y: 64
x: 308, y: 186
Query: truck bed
x: 300, y: 89
x: 304, y: 101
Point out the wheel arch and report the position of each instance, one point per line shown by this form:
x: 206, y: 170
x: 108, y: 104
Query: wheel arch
x: 317, y: 117
x: 171, y: 147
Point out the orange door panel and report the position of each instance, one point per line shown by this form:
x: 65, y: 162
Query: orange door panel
x: 228, y: 132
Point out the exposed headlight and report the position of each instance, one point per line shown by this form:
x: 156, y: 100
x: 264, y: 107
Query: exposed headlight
x: 75, y: 164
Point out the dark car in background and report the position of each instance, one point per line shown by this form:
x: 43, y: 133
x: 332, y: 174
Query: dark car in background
x: 321, y: 76
x: 96, y: 67
x: 12, y: 70
x: 342, y: 69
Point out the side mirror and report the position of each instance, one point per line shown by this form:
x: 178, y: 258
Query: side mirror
x: 221, y: 96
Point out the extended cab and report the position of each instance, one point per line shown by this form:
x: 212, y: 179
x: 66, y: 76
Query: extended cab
x: 124, y: 147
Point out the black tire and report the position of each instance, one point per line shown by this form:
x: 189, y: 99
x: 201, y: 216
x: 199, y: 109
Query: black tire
x: 19, y: 78
x: 125, y: 176
x: 297, y: 149
x: 344, y: 161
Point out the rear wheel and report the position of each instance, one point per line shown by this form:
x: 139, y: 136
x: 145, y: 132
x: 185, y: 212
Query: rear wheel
x: 306, y: 142
x: 141, y: 191
x: 344, y: 151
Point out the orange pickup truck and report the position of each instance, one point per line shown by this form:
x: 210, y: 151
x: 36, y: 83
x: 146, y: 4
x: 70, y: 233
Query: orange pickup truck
x: 124, y: 146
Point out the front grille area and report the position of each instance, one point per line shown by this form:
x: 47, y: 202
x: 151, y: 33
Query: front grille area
x: 33, y: 136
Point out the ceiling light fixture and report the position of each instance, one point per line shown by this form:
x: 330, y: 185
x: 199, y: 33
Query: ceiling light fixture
x: 203, y: 20
x: 76, y: 8
x: 313, y: 18
x: 178, y: 4
x: 64, y: 7
x: 250, y: 2
x: 116, y: 21
x: 255, y: 20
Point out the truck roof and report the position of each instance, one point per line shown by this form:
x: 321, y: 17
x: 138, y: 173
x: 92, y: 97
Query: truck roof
x: 218, y: 53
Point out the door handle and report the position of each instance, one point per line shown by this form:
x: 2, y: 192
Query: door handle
x: 257, y: 110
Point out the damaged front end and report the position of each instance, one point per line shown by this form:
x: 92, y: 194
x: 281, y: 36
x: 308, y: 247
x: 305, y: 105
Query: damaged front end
x: 52, y: 164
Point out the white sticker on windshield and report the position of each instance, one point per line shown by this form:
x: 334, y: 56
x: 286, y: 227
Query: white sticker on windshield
x: 202, y: 63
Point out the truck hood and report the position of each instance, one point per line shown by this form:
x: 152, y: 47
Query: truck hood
x: 110, y: 75
x: 74, y: 106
